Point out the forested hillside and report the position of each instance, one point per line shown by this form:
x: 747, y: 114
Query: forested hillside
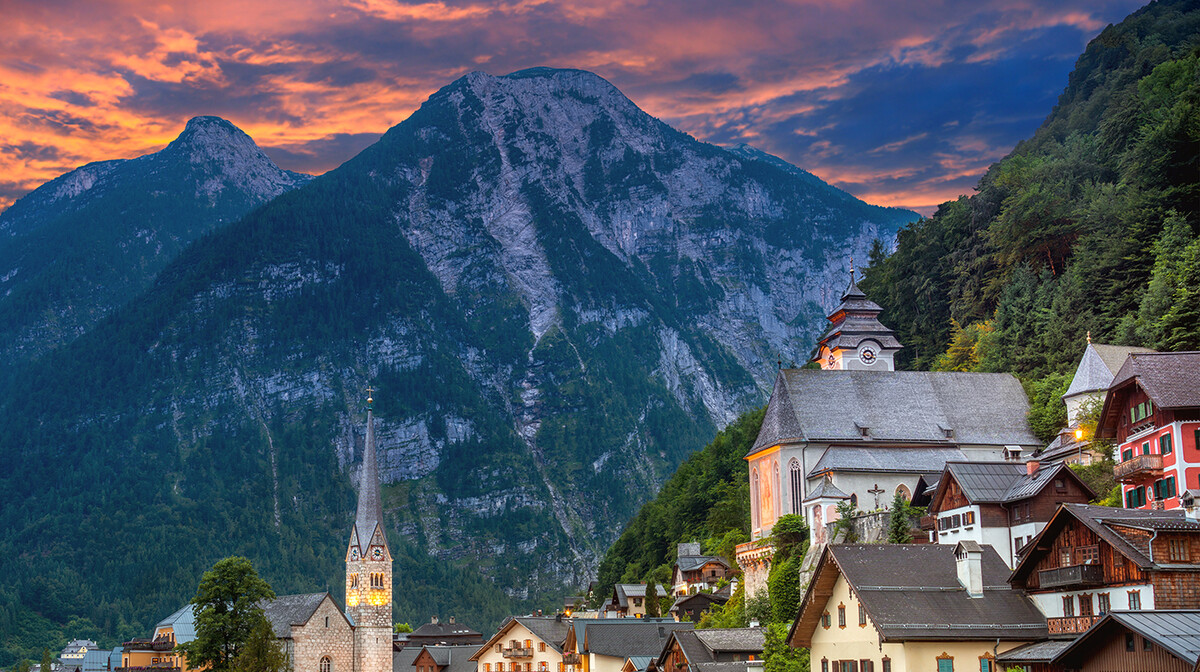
x: 1088, y: 226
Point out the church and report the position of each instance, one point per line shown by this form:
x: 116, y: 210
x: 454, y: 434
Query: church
x: 317, y: 635
x: 857, y: 430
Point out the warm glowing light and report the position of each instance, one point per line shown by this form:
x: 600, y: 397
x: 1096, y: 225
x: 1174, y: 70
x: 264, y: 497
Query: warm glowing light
x: 378, y: 598
x: 1079, y: 434
x: 352, y: 600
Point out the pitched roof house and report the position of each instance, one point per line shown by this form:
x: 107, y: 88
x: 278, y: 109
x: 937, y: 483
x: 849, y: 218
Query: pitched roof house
x: 1001, y: 504
x: 629, y: 599
x: 432, y: 658
x: 1153, y: 412
x: 447, y: 634
x: 525, y: 644
x: 1090, y: 560
x: 693, y: 572
x: 711, y: 650
x: 905, y: 607
x: 606, y: 645
x: 1164, y: 641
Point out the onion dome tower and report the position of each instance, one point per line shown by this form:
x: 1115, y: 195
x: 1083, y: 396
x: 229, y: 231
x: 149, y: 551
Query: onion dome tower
x: 856, y: 339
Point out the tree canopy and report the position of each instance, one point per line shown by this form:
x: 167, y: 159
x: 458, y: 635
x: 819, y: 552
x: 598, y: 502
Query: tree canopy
x: 228, y: 609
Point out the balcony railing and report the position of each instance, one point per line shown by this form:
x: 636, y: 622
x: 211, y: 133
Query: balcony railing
x: 1072, y: 575
x: 1139, y: 468
x: 517, y: 652
x: 572, y: 658
x: 1070, y: 625
x: 149, y: 645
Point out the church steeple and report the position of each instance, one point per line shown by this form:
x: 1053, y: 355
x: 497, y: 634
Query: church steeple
x: 369, y: 567
x: 856, y: 339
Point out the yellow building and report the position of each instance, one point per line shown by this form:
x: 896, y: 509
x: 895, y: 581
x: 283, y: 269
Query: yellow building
x: 912, y: 608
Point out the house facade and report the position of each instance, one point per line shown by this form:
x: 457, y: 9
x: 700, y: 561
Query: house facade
x: 918, y: 607
x: 693, y: 572
x: 629, y: 600
x: 527, y: 644
x: 1152, y: 412
x: 1158, y: 641
x: 607, y: 645
x: 1092, y: 560
x: 711, y: 650
x: 1001, y: 504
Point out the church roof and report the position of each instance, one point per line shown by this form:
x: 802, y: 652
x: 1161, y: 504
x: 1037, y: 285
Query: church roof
x: 370, y: 504
x: 880, y: 407
x: 287, y: 610
x: 895, y: 460
x: 1098, y: 366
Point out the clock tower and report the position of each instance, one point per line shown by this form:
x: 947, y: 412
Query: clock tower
x: 369, y: 568
x: 856, y: 339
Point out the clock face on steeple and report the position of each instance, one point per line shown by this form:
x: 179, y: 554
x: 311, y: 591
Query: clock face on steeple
x: 867, y: 354
x: 354, y: 553
x: 377, y: 553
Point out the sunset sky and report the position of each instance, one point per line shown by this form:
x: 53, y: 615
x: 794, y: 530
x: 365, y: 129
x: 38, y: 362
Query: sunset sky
x: 900, y: 103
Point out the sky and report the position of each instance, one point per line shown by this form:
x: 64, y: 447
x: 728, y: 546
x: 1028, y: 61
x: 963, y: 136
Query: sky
x: 902, y: 103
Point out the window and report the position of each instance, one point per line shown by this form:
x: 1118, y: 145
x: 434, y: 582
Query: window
x: 1179, y: 550
x: 541, y: 646
x: 945, y: 663
x: 887, y: 665
x: 1085, y: 604
x: 529, y: 643
x: 1068, y: 606
x: 862, y: 616
x: 1087, y: 555
x: 1146, y: 448
x: 500, y: 667
x: 987, y: 662
x: 1102, y: 600
x: 1130, y: 643
x: 487, y: 667
x: 1164, y: 444
x: 1064, y: 557
x: 825, y: 664
x: 543, y: 666
x: 327, y: 621
x: 1136, y: 498
x: 797, y: 483
x: 841, y: 615
x: 957, y: 520
x: 354, y: 580
x: 1060, y: 485
x: 1135, y: 600
x: 1164, y: 488
x: 968, y: 518
x: 326, y: 664
x: 866, y: 665
x: 825, y: 620
x: 1127, y: 454
x: 498, y: 649
x: 1147, y: 645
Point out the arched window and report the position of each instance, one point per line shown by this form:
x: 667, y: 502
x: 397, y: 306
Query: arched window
x: 904, y: 492
x: 794, y: 478
x: 854, y: 500
x: 754, y: 519
x: 326, y: 664
x: 777, y: 483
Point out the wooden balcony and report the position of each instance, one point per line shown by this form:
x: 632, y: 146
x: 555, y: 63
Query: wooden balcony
x: 1070, y: 625
x: 1139, y: 468
x: 572, y: 658
x: 517, y: 652
x: 1072, y: 576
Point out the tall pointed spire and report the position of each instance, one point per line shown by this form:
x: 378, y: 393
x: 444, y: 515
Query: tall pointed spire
x: 370, y: 504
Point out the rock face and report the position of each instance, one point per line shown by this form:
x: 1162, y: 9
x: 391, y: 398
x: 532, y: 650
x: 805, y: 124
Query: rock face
x: 557, y: 296
x: 85, y: 243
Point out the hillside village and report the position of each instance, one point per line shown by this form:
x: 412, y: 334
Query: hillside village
x: 1009, y: 563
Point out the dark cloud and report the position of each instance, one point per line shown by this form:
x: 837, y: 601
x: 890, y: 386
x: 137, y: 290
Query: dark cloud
x: 31, y: 151
x: 59, y: 120
x: 73, y: 98
x: 340, y: 74
x: 318, y: 156
x: 183, y: 100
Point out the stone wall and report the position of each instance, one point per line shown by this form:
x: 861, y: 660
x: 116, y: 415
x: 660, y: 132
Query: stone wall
x: 327, y: 633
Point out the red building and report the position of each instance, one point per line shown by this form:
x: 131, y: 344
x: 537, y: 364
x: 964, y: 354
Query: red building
x: 1152, y: 410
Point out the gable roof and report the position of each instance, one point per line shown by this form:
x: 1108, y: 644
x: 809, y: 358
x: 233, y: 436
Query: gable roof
x: 1112, y: 525
x: 933, y: 407
x: 1177, y: 631
x: 287, y: 610
x: 733, y: 640
x: 1003, y: 482
x: 550, y: 629
x: 685, y: 601
x: 440, y: 630
x: 623, y: 591
x: 182, y: 623
x: 895, y: 460
x: 623, y: 637
x: 1168, y: 378
x: 450, y: 658
x: 688, y: 563
x: 1098, y: 366
x: 912, y: 592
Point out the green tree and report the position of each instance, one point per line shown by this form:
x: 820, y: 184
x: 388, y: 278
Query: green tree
x: 791, y: 537
x: 262, y: 652
x: 653, y: 609
x: 402, y: 627
x: 846, y: 511
x: 1047, y: 412
x: 228, y: 607
x: 900, y: 521
x: 783, y: 586
x: 47, y: 660
x: 23, y: 666
x: 778, y: 656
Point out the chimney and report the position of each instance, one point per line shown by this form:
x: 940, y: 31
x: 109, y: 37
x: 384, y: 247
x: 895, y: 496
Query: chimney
x: 451, y: 620
x: 969, y: 558
x: 1031, y: 467
x: 433, y: 619
x: 662, y: 632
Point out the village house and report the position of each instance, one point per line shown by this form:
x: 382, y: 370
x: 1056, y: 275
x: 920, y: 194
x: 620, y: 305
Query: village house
x: 711, y: 650
x: 693, y: 572
x: 607, y: 645
x: 1093, y: 376
x: 692, y: 607
x: 1152, y: 411
x: 859, y: 431
x: 436, y: 658
x: 527, y: 644
x: 629, y: 600
x: 1158, y: 641
x: 912, y: 607
x: 1090, y: 560
x: 1001, y: 504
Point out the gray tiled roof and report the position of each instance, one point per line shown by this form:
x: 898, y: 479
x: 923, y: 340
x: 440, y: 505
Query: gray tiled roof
x: 709, y: 598
x: 689, y: 563
x: 896, y: 406
x: 1170, y: 378
x: 1177, y: 631
x: 997, y: 482
x: 693, y: 649
x: 369, y: 515
x: 402, y: 660
x: 735, y: 640
x: 550, y: 629
x: 625, y: 637
x: 437, y: 630
x: 826, y: 490
x: 287, y: 610
x: 453, y: 658
x: 1098, y: 366
x: 728, y: 666
x: 1037, y: 652
x: 624, y: 591
x: 911, y: 592
x: 640, y: 662
x: 877, y: 459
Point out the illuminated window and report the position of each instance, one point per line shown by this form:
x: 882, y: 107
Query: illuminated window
x: 541, y: 646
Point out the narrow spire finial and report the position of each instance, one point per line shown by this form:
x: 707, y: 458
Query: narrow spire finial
x: 1089, y: 337
x: 370, y: 398
x: 852, y: 268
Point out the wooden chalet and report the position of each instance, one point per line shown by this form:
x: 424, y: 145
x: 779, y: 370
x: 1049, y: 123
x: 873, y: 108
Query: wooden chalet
x: 433, y: 658
x: 1150, y: 641
x: 693, y: 572
x: 1001, y: 504
x: 711, y: 650
x: 1152, y: 411
x: 1091, y: 560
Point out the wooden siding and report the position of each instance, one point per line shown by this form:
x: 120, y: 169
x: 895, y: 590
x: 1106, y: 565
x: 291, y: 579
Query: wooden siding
x: 953, y: 498
x: 1116, y: 569
x: 1111, y: 656
x: 1176, y: 590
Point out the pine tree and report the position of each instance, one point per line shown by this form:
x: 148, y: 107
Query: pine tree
x: 262, y: 651
x: 653, y: 609
x: 899, y: 524
x: 47, y: 660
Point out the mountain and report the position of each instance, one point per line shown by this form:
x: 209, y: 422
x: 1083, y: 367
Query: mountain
x: 83, y: 244
x: 557, y: 296
x: 1087, y: 228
